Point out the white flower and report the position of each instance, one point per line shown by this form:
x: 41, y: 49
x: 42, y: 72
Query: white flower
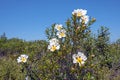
x: 22, y: 58
x: 54, y: 44
x: 54, y: 47
x: 61, y: 33
x: 58, y: 27
x: 79, y: 58
x: 84, y: 19
x: 79, y: 12
x: 53, y: 41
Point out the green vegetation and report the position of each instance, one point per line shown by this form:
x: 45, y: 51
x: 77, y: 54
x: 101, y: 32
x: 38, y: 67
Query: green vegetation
x: 103, y: 61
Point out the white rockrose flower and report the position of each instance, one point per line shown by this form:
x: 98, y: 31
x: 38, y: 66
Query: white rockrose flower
x: 54, y: 47
x: 23, y: 58
x: 79, y: 58
x: 79, y: 12
x: 58, y: 27
x: 61, y: 33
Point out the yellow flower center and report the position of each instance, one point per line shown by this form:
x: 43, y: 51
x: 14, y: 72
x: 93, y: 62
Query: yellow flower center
x: 23, y: 59
x: 79, y: 14
x: 59, y: 27
x: 62, y: 34
x: 53, y: 48
x: 79, y: 59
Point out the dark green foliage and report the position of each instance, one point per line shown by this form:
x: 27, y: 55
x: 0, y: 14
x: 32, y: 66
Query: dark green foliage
x: 103, y: 47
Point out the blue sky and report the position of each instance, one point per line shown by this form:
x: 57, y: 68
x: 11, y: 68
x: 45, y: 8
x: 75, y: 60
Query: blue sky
x: 28, y: 19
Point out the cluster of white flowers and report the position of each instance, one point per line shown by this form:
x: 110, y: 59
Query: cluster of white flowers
x: 79, y: 58
x: 23, y: 58
x: 53, y: 44
x: 82, y: 14
x: 61, y: 32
